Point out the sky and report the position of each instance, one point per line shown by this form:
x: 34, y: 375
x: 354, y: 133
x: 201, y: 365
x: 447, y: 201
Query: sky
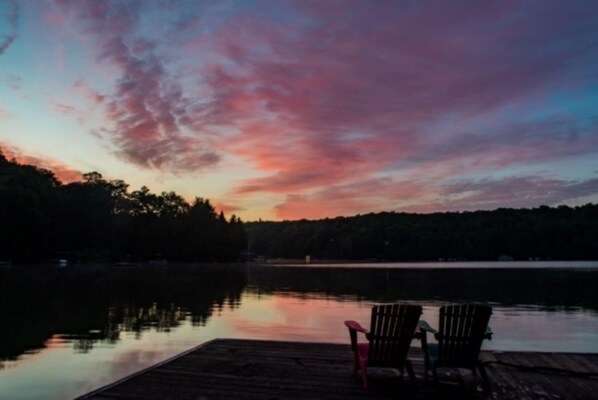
x: 283, y: 110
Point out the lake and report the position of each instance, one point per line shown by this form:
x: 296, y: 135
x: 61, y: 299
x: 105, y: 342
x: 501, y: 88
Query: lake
x: 66, y: 331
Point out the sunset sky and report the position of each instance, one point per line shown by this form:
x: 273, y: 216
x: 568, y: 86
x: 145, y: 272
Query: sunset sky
x: 309, y: 109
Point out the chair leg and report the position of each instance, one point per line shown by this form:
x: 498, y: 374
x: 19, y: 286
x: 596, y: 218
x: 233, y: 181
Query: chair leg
x: 364, y: 377
x: 428, y: 365
x: 410, y: 371
x: 484, y: 375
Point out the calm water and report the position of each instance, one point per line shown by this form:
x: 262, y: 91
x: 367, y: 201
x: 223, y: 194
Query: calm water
x: 66, y: 332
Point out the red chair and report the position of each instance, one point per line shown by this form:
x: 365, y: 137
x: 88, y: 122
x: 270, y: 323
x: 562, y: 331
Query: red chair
x: 391, y: 329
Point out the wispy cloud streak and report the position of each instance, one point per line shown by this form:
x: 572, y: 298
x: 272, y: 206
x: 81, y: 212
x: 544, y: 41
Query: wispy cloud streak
x: 11, y: 18
x: 147, y: 109
x: 341, y: 107
x: 346, y: 91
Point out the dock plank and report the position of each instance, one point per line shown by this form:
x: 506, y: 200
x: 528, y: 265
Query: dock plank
x: 269, y: 370
x: 504, y: 385
x: 534, y: 381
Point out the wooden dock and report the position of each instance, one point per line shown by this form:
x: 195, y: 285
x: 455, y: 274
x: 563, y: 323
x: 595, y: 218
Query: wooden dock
x: 269, y: 370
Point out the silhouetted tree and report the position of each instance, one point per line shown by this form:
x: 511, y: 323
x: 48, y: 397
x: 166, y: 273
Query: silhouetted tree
x: 42, y: 218
x: 544, y: 232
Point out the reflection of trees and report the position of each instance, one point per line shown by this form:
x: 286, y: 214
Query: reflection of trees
x: 98, y: 304
x: 544, y: 287
x: 136, y: 319
x: 83, y: 345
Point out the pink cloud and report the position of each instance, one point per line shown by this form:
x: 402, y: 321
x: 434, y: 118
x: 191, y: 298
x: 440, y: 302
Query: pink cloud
x: 64, y: 109
x: 517, y: 192
x: 148, y: 110
x: 227, y: 208
x: 63, y: 172
x: 358, y: 90
x: 347, y: 107
x: 91, y: 94
x: 434, y: 194
x: 360, y: 197
x: 519, y: 143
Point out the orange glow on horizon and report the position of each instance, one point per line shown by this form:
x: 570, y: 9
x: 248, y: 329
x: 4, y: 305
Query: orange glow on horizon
x: 63, y: 173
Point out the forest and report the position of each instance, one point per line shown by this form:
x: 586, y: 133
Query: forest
x: 95, y: 219
x: 543, y: 233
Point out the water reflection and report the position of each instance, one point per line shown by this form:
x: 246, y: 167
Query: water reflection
x: 89, y: 305
x: 554, y: 288
x: 96, y: 304
x: 101, y: 323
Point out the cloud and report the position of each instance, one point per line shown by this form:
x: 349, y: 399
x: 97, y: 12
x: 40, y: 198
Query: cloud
x: 516, y: 144
x: 386, y: 194
x: 13, y: 82
x: 347, y: 91
x: 11, y: 18
x: 63, y: 172
x: 64, y: 109
x: 517, y: 192
x: 147, y: 111
x: 4, y: 114
x: 92, y: 95
x: 227, y: 208
x: 344, y: 107
x: 359, y: 197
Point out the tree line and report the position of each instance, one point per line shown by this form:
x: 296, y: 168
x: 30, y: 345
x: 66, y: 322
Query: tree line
x: 560, y: 233
x: 42, y: 218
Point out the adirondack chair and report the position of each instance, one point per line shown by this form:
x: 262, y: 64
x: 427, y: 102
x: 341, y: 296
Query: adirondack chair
x: 462, y: 328
x: 391, y: 329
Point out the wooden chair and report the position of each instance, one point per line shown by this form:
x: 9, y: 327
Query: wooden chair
x: 462, y: 328
x: 391, y: 329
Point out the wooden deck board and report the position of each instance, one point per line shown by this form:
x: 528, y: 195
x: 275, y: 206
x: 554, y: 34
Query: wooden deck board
x: 250, y: 369
x: 509, y: 382
x: 503, y: 383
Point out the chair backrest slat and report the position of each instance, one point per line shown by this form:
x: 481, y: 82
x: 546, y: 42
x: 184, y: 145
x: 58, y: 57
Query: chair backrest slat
x: 460, y: 334
x: 391, y: 330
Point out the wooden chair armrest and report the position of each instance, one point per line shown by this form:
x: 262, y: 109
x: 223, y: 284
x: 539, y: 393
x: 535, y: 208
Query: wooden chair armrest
x: 425, y: 327
x: 418, y: 333
x: 354, y: 326
x: 489, y: 333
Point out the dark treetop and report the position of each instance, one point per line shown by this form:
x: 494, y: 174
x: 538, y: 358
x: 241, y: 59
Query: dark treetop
x: 42, y: 218
x: 562, y: 233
